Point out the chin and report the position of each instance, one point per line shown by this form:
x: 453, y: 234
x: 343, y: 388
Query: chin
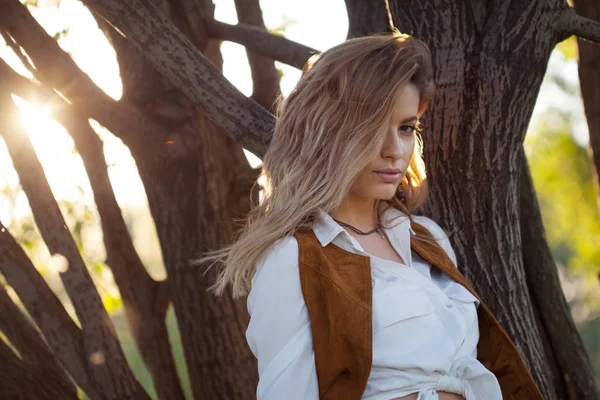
x: 384, y: 193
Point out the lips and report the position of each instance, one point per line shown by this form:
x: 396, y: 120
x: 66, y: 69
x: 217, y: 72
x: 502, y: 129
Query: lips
x: 390, y: 170
x: 389, y: 175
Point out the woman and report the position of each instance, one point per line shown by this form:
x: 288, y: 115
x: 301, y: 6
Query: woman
x: 343, y: 298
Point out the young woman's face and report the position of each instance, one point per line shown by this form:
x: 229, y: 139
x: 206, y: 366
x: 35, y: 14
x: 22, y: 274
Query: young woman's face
x: 380, y: 179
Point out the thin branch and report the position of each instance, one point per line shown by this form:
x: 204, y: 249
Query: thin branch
x: 548, y: 297
x: 108, y: 365
x: 35, y: 355
x: 261, y: 41
x: 56, y: 68
x: 15, y: 379
x: 265, y: 77
x: 145, y: 300
x: 189, y: 70
x: 18, y: 51
x: 570, y: 23
x: 62, y: 335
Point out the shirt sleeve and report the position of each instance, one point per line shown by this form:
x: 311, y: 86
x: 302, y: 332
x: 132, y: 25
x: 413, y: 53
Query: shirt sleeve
x: 279, y: 332
x: 469, y: 345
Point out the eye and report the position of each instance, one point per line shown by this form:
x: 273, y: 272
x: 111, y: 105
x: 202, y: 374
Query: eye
x: 409, y: 129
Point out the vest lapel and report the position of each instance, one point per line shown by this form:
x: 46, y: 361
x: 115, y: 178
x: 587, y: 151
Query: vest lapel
x: 495, y: 349
x: 336, y: 285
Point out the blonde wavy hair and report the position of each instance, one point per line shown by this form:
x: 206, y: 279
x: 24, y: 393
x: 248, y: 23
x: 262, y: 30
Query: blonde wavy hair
x: 327, y: 130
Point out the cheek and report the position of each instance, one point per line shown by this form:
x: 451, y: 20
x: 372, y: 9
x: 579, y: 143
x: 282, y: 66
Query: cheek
x: 364, y: 180
x: 408, y: 147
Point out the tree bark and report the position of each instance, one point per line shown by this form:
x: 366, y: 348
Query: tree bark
x: 63, y: 337
x: 145, y: 300
x: 193, y: 202
x: 39, y: 364
x: 106, y: 362
x: 196, y: 179
x: 262, y: 42
x: 176, y: 104
x: 571, y: 364
x: 589, y: 79
x: 574, y: 23
x: 265, y: 77
x: 473, y: 134
x: 172, y: 54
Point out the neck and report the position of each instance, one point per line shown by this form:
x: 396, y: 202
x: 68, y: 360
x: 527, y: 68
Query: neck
x: 358, y: 212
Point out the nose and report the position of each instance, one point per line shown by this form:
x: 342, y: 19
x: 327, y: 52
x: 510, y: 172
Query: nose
x: 393, y: 147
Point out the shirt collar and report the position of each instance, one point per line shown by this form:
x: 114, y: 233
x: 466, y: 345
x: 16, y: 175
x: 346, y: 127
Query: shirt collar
x: 326, y: 229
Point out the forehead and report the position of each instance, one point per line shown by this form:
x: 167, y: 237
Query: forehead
x: 406, y: 103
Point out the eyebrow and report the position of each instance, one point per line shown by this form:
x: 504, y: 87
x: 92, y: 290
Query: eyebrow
x: 409, y: 119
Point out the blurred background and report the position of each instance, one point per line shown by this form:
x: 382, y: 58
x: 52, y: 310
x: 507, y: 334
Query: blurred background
x: 556, y: 146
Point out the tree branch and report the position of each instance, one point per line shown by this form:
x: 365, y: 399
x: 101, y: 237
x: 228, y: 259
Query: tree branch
x: 35, y: 355
x: 16, y: 381
x: 547, y: 295
x: 176, y: 58
x: 265, y: 77
x: 111, y: 372
x: 62, y: 335
x: 145, y: 300
x: 570, y: 23
x: 56, y: 68
x: 17, y: 50
x: 262, y: 42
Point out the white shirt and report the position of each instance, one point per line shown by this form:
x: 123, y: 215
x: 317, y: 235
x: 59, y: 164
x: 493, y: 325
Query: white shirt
x: 425, y: 328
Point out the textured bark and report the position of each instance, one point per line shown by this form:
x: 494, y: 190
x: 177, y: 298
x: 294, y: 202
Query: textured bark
x: 196, y: 178
x: 145, y: 300
x: 60, y: 332
x: 262, y: 42
x: 172, y: 54
x: 193, y: 202
x: 265, y: 77
x: 573, y: 22
x: 573, y: 364
x: 16, y: 381
x: 174, y: 107
x: 54, y: 67
x: 35, y: 356
x: 489, y: 60
x: 111, y: 373
x: 589, y: 78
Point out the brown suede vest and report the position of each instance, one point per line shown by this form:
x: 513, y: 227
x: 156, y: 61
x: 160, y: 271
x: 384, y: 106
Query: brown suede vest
x: 336, y: 285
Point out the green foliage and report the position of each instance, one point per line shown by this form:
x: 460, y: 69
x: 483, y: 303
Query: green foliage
x: 563, y: 177
x: 134, y: 357
x: 590, y: 333
x: 562, y: 173
x: 569, y: 48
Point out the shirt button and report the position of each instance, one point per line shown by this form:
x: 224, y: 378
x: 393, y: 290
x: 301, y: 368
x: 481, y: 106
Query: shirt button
x: 449, y: 303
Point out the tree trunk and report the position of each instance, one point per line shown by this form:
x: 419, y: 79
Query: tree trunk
x: 193, y: 201
x: 489, y: 60
x: 198, y: 181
